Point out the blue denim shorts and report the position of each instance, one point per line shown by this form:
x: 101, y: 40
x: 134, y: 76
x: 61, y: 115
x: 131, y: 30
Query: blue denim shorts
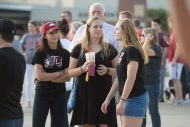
x: 136, y: 106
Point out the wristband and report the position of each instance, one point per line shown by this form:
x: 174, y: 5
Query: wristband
x: 123, y: 99
x: 81, y: 69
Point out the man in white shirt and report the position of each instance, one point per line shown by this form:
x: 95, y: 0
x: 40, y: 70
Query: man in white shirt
x: 97, y: 9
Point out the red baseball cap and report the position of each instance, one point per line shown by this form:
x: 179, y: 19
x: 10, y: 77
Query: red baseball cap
x: 49, y: 27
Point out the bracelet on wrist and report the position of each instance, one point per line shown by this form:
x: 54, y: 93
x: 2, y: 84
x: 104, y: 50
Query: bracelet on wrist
x: 123, y: 99
x: 81, y: 69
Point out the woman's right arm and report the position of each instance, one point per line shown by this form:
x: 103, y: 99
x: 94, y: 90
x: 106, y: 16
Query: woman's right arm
x: 41, y: 75
x: 113, y: 90
x: 110, y: 95
x: 76, y: 71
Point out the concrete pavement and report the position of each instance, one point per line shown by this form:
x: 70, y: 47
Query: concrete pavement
x: 171, y: 116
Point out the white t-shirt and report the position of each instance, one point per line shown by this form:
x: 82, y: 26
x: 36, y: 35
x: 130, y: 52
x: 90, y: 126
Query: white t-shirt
x: 66, y: 44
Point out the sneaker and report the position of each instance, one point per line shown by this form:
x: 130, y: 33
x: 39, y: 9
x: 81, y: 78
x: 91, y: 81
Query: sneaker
x: 178, y: 102
x: 187, y: 101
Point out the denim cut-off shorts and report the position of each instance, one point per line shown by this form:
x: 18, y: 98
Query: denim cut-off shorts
x: 136, y: 106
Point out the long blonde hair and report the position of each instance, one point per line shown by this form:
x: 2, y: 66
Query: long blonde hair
x: 129, y: 37
x: 85, y: 40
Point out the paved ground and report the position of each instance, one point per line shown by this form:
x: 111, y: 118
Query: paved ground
x: 171, y: 116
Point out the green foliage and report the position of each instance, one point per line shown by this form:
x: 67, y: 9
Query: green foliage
x: 158, y: 13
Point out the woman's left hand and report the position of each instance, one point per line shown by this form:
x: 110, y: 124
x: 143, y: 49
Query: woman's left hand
x: 149, y: 37
x: 120, y: 108
x: 102, y: 70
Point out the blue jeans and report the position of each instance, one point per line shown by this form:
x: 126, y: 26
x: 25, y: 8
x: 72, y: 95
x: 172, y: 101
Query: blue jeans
x: 185, y: 81
x: 55, y: 101
x: 11, y: 123
x: 162, y: 76
x: 153, y: 91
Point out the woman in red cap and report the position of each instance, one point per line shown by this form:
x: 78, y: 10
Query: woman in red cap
x: 50, y: 64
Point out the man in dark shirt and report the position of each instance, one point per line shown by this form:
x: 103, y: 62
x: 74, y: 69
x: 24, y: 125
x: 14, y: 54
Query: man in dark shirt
x: 12, y: 69
x: 163, y: 42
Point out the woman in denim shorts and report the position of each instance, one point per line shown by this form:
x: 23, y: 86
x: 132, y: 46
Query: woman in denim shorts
x: 130, y: 83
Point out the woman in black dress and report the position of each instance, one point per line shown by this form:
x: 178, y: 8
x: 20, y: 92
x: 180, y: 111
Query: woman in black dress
x: 92, y: 90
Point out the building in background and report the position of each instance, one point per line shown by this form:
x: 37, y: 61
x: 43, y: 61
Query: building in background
x: 158, y: 4
x: 20, y: 11
x: 137, y: 7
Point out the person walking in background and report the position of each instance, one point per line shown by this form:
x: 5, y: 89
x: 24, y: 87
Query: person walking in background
x: 68, y: 16
x: 130, y: 83
x: 12, y: 66
x: 30, y: 41
x: 17, y: 45
x: 138, y: 28
x: 97, y: 9
x: 130, y: 15
x: 163, y: 42
x: 50, y: 65
x: 87, y: 111
x: 185, y: 82
x: 152, y: 73
x: 64, y: 30
x: 74, y: 27
x: 175, y: 63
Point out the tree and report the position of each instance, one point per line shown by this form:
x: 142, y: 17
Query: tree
x: 158, y: 13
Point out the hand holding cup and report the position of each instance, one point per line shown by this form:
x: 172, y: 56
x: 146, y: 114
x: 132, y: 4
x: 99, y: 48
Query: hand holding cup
x: 90, y: 58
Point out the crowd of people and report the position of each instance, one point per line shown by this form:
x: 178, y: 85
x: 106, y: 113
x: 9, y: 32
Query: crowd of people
x: 127, y: 59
